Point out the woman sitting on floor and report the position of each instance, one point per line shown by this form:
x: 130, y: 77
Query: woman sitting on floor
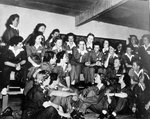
x: 124, y: 99
x: 37, y: 104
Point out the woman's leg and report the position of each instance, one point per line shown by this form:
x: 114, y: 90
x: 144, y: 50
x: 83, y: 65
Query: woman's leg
x: 48, y: 113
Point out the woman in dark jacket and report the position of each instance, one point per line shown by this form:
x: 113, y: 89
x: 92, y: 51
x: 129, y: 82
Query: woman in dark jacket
x: 11, y: 28
x: 37, y: 104
x: 14, y: 61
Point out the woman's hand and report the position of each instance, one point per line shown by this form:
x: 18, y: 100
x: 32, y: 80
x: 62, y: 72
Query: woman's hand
x: 81, y: 97
x: 147, y: 106
x: 87, y: 63
x: 18, y: 66
x: 47, y: 104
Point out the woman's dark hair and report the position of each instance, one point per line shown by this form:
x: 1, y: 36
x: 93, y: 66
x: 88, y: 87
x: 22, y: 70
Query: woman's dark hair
x: 36, y: 29
x: 33, y: 39
x: 127, y: 80
x: 128, y: 46
x: 136, y: 39
x: 48, y: 55
x: 96, y: 43
x: 71, y: 34
x: 90, y: 34
x: 11, y: 19
x: 55, y: 30
x: 36, y: 58
x: 81, y: 39
x: 60, y: 56
x: 55, y: 40
x: 53, y: 77
x: 15, y: 40
x: 107, y: 41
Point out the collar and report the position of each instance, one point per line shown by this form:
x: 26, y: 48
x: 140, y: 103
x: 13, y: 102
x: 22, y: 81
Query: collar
x: 37, y: 46
x: 114, y: 55
x: 105, y: 49
x: 135, y: 45
x: 139, y: 73
x: 71, y: 46
x: 16, y: 52
x: 56, y: 48
x: 13, y: 27
x: 89, y: 45
x: 130, y: 57
x: 82, y: 52
x: 100, y: 86
x: 146, y: 47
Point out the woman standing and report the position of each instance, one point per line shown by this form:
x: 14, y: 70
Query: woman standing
x: 11, y: 28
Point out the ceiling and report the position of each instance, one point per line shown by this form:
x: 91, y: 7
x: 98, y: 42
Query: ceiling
x: 132, y: 13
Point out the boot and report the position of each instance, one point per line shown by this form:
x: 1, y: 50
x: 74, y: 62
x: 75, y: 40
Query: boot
x: 7, y: 112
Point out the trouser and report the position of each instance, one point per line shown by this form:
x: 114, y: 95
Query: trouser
x: 47, y: 113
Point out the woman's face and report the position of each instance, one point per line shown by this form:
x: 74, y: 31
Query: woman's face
x: 90, y: 39
x: 121, y: 79
x: 96, y: 48
x: 39, y: 77
x: 135, y: 66
x: 53, y: 60
x: 133, y: 40
x: 55, y: 34
x: 129, y: 50
x: 111, y: 50
x: 19, y: 45
x: 116, y: 63
x: 59, y: 43
x: 70, y: 39
x: 15, y: 22
x: 81, y: 45
x: 46, y: 82
x: 145, y: 41
x: 38, y: 39
x: 65, y: 58
x: 42, y: 29
x: 106, y: 44
x: 97, y: 78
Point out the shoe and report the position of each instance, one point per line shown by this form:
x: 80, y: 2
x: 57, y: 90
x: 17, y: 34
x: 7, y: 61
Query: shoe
x: 111, y: 117
x: 7, y: 112
x: 77, y: 115
x: 4, y: 91
x: 102, y: 116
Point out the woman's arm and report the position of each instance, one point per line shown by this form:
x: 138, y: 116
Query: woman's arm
x: 120, y: 95
x: 22, y: 62
x: 61, y: 93
x: 10, y: 64
x: 32, y: 62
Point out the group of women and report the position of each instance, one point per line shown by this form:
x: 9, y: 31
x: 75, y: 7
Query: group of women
x: 50, y: 71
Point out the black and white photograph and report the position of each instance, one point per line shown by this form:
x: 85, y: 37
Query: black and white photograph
x: 74, y: 59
